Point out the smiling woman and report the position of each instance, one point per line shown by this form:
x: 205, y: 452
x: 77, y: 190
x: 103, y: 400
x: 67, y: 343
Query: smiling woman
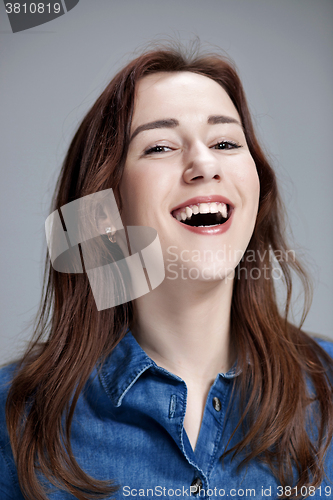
x: 195, y: 163
x: 201, y: 386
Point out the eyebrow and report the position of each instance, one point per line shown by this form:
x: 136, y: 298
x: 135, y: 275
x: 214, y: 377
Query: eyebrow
x: 214, y: 120
x: 168, y: 123
x: 172, y: 123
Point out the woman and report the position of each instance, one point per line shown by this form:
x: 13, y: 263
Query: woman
x: 201, y: 386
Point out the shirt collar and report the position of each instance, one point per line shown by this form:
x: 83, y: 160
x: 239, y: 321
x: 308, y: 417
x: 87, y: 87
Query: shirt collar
x: 123, y: 367
x: 127, y: 362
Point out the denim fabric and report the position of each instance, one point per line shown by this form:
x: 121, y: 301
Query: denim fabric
x: 128, y: 426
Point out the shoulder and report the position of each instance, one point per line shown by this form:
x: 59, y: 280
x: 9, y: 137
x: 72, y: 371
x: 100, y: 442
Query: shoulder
x: 327, y: 345
x: 8, y: 476
x: 7, y: 373
x: 6, y: 376
x: 323, y: 349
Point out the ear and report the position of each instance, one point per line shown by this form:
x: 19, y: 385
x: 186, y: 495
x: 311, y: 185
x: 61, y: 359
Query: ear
x: 104, y: 223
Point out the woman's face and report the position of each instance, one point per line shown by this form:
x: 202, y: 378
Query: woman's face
x: 188, y: 156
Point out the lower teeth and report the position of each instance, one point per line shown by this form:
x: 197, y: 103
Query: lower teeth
x: 212, y: 225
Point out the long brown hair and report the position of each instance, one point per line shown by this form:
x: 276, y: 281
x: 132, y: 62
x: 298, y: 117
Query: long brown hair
x: 71, y: 336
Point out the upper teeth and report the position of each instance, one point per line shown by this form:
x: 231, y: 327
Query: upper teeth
x: 202, y: 208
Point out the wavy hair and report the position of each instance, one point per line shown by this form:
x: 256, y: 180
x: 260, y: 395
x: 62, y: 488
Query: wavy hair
x: 72, y: 337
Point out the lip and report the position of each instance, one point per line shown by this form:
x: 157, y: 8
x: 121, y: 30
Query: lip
x: 204, y: 199
x: 208, y: 230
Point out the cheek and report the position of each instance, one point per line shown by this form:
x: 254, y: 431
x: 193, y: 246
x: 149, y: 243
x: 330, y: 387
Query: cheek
x: 138, y: 181
x: 148, y: 184
x: 137, y: 190
x: 254, y: 186
x: 248, y: 180
x: 246, y: 171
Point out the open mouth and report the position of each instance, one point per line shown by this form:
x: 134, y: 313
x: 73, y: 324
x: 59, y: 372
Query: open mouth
x: 203, y: 214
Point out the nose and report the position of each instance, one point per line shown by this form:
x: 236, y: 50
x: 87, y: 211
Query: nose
x: 201, y: 165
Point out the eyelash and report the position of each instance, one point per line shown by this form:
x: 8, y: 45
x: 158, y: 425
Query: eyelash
x: 234, y: 145
x: 230, y: 144
x: 153, y: 149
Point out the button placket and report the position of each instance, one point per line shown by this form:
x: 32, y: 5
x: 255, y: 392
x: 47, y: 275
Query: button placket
x: 197, y: 484
x: 209, y: 440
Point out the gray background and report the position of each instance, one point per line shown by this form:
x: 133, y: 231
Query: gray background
x: 51, y: 75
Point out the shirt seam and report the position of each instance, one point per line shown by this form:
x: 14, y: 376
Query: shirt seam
x: 123, y: 391
x: 181, y: 431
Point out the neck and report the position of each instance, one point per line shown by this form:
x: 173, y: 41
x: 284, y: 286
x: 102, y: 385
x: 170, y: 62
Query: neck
x: 185, y: 328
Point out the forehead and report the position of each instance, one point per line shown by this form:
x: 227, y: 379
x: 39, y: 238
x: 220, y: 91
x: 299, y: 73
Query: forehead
x: 180, y: 95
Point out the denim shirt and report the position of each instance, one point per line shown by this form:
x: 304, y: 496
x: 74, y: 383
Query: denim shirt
x: 128, y: 426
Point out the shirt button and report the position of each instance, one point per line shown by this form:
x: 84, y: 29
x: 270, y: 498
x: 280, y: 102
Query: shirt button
x: 217, y: 404
x: 197, y: 484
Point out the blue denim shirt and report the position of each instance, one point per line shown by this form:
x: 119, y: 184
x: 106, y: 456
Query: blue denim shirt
x: 128, y: 426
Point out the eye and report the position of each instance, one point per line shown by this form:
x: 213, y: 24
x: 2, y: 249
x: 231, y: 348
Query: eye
x: 227, y: 145
x: 157, y: 149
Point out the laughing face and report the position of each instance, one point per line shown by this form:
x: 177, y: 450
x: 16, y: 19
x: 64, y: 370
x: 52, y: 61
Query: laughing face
x: 189, y: 174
